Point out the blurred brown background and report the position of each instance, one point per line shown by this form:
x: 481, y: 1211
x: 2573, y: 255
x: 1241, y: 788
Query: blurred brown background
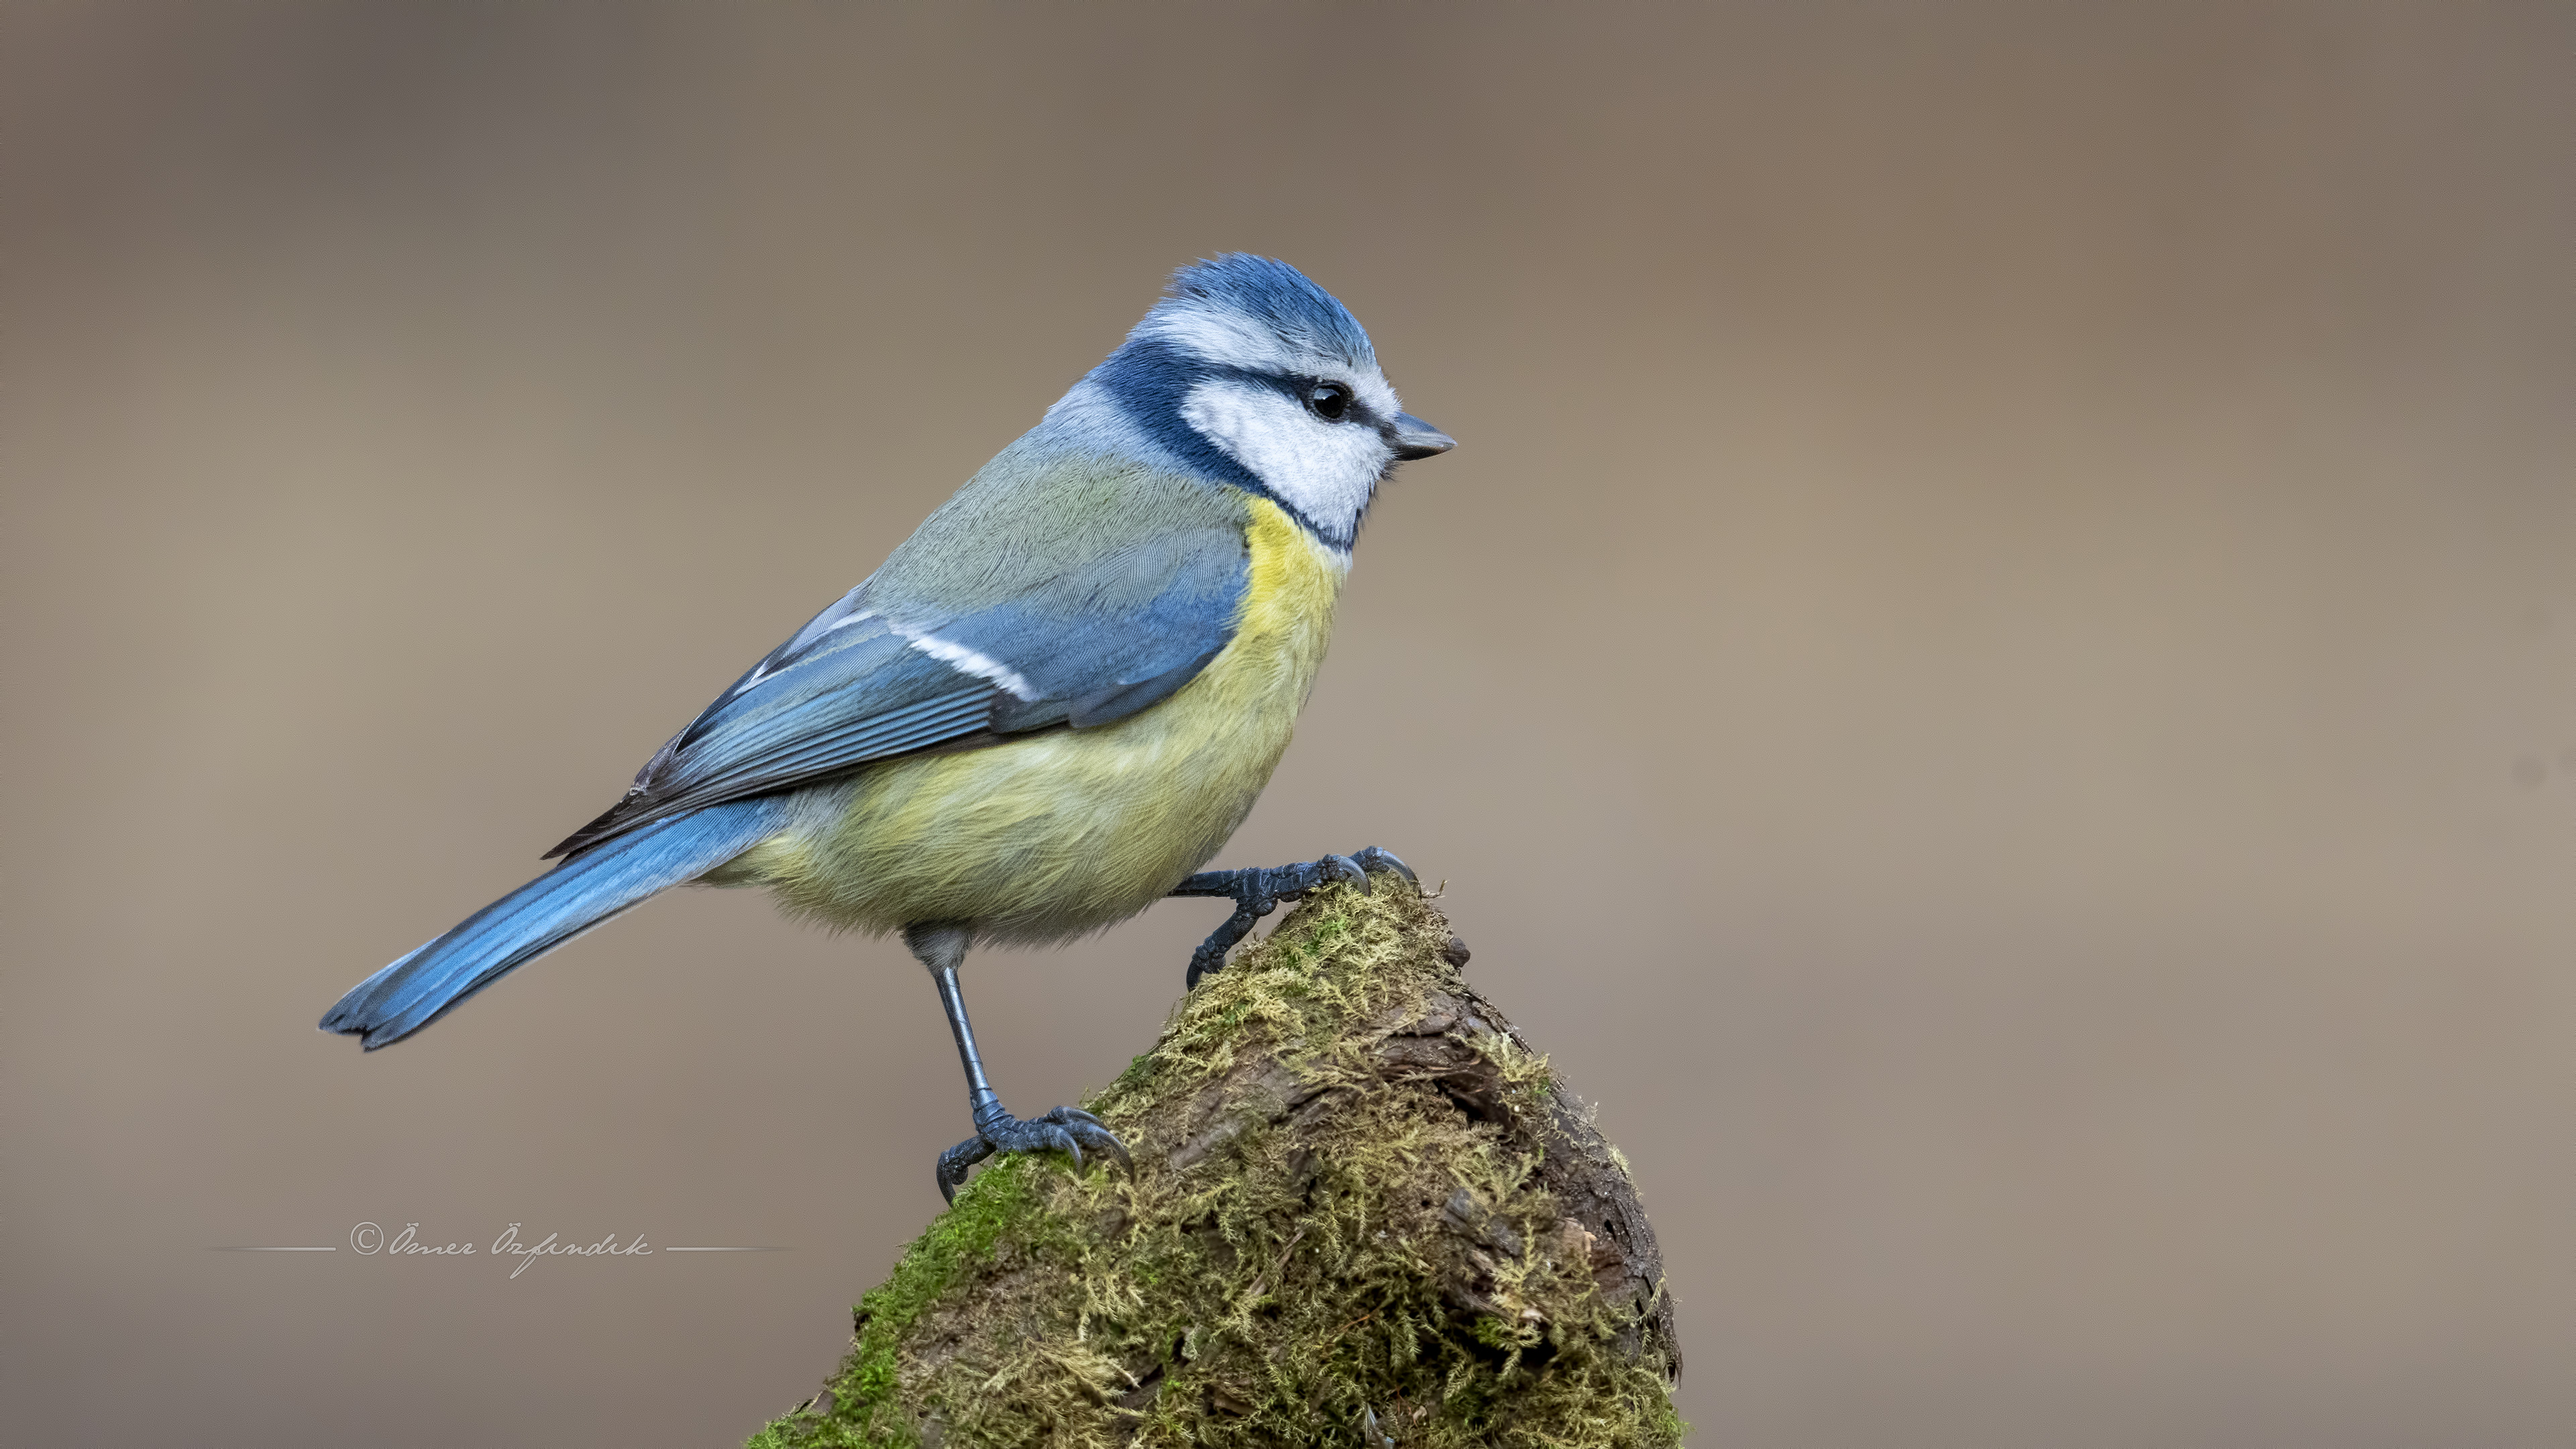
x: 1995, y: 675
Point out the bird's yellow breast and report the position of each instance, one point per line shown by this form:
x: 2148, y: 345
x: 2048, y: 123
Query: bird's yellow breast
x: 1050, y: 836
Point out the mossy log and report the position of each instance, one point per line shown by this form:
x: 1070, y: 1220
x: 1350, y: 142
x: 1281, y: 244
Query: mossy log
x: 1362, y: 1212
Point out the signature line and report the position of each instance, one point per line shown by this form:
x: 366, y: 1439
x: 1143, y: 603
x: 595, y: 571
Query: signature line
x: 272, y: 1250
x: 724, y: 1250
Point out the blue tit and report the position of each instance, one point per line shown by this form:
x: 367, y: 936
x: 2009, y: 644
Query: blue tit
x: 1048, y: 708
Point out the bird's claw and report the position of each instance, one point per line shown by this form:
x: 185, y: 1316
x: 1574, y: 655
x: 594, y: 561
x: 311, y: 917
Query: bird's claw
x: 1257, y: 892
x: 1375, y: 859
x: 1341, y: 868
x: 1063, y: 1129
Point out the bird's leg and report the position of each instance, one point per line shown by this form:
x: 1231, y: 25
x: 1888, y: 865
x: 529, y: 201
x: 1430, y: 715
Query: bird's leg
x: 942, y: 948
x: 1257, y: 891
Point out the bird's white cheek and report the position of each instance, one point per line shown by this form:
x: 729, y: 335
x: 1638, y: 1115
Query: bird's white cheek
x: 1327, y: 470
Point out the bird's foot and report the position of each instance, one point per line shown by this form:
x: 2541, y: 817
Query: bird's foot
x: 1258, y: 890
x: 1065, y: 1129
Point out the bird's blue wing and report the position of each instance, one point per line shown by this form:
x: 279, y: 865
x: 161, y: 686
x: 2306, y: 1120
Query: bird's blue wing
x: 887, y: 672
x: 1120, y: 634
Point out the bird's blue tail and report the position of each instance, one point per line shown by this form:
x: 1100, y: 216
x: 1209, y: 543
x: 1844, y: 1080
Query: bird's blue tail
x: 545, y: 913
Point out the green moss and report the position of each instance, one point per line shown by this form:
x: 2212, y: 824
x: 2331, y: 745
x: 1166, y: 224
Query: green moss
x: 996, y: 1204
x: 1359, y: 1200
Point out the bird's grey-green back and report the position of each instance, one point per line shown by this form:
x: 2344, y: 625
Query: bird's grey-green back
x: 1065, y: 530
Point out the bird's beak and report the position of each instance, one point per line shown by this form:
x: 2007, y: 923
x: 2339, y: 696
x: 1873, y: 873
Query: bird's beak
x: 1415, y: 438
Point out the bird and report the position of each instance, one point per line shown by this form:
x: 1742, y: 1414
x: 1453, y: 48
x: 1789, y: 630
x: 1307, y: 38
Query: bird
x: 1048, y: 707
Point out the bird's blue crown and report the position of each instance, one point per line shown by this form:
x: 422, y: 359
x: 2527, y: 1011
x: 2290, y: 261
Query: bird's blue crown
x: 1277, y: 296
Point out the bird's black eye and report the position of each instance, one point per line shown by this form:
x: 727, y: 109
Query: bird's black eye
x: 1329, y: 400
